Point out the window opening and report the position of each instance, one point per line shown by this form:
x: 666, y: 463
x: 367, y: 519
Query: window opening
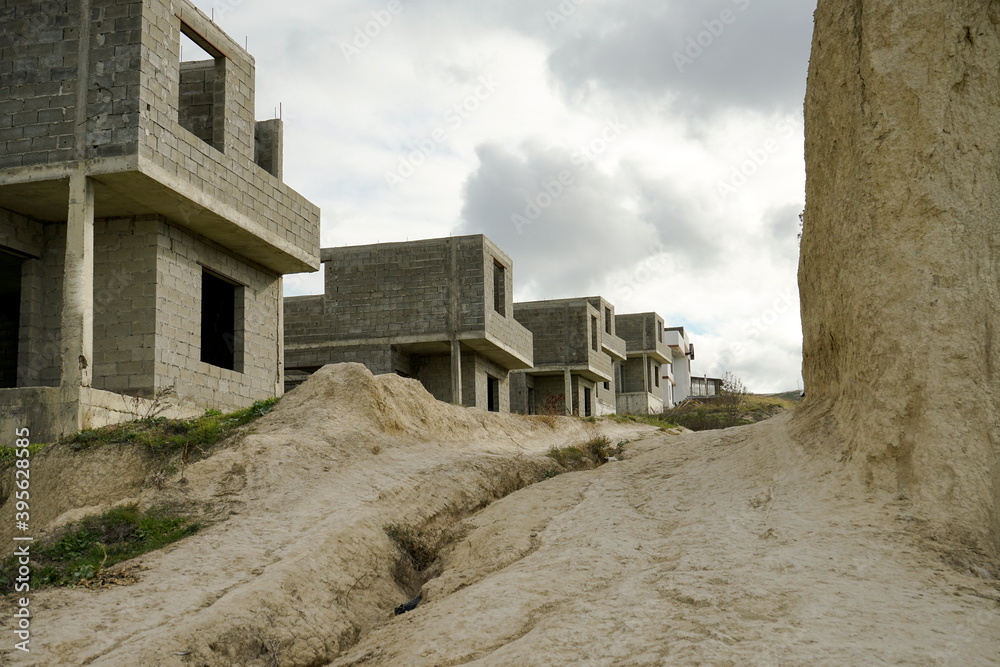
x: 493, y: 393
x: 221, y: 322
x: 499, y: 288
x: 201, y: 105
x: 10, y: 317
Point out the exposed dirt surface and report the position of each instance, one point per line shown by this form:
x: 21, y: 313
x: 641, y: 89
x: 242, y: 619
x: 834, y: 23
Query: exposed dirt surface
x: 724, y: 547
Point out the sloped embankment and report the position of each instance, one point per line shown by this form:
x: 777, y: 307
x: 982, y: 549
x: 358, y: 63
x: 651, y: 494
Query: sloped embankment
x: 302, y: 566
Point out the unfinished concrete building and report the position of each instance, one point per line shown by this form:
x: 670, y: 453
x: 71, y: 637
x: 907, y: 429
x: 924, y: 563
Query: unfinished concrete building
x: 575, y: 351
x: 439, y: 311
x: 144, y: 225
x: 640, y: 380
x: 678, y: 375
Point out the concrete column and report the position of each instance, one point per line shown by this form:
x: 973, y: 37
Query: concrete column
x: 568, y: 380
x: 456, y: 372
x: 279, y: 383
x: 645, y: 373
x: 78, y: 286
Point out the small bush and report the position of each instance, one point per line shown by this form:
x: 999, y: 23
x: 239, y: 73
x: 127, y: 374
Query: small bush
x: 548, y: 420
x: 567, y: 457
x: 413, y: 544
x: 595, y: 453
x: 98, y: 542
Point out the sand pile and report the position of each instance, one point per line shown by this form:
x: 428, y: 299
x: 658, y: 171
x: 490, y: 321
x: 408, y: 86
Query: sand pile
x: 301, y: 566
x: 731, y: 547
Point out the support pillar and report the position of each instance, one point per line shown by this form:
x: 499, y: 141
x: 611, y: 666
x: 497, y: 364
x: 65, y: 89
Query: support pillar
x: 568, y: 380
x: 279, y: 382
x: 646, y: 384
x: 77, y: 322
x: 456, y: 372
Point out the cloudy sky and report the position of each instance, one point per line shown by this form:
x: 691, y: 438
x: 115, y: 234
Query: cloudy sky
x: 649, y: 151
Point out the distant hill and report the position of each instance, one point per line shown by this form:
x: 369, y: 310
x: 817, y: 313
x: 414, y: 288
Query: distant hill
x: 794, y: 395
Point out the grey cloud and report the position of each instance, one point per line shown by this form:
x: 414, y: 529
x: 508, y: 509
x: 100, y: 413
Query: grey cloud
x: 754, y: 56
x: 688, y: 53
x: 567, y: 244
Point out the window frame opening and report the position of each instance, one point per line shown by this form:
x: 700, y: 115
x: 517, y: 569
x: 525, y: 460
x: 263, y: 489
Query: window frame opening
x: 210, y: 96
x: 499, y: 288
x: 492, y: 394
x: 11, y: 296
x: 222, y: 321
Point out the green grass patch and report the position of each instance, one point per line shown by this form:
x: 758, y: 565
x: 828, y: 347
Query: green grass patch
x: 717, y: 412
x: 414, y: 544
x: 172, y: 436
x: 8, y: 455
x: 98, y: 542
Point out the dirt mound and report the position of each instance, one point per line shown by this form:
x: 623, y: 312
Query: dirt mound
x: 302, y: 565
x: 726, y: 547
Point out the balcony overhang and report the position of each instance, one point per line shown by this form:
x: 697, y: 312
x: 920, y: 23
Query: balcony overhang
x: 588, y: 372
x: 129, y: 186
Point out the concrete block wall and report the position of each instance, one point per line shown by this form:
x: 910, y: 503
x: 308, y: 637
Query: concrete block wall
x: 399, y: 289
x: 196, y: 105
x: 231, y: 174
x: 434, y: 372
x: 643, y: 332
x: 40, y: 44
x: 560, y: 331
x: 181, y: 259
x: 38, y: 51
x: 610, y: 341
x: 40, y: 354
x: 130, y: 79
x: 269, y: 139
x: 633, y: 376
x: 21, y: 234
x: 125, y: 314
x: 476, y: 369
x: 607, y: 397
x: 521, y: 399
x: 550, y: 395
x: 112, y: 116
